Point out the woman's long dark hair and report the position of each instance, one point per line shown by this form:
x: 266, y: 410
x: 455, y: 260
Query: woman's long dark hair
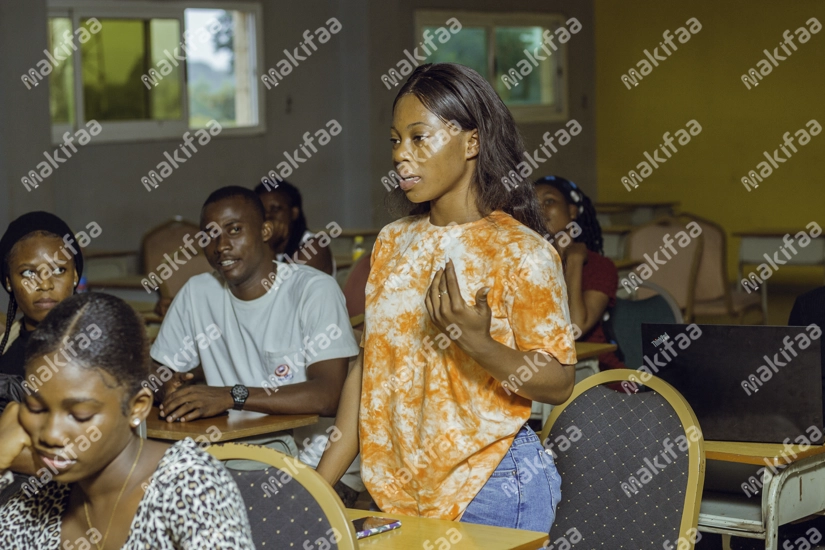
x: 299, y: 225
x: 458, y: 94
x: 591, y: 234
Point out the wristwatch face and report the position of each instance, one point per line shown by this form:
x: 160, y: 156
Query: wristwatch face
x: 239, y: 394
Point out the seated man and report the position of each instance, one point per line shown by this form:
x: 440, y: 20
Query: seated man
x: 265, y: 336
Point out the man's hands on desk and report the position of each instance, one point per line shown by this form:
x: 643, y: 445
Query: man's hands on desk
x: 185, y: 396
x: 196, y: 401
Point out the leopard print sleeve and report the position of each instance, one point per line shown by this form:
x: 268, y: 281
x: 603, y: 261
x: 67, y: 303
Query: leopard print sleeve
x: 31, y: 517
x: 200, y: 504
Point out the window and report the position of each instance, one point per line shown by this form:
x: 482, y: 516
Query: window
x: 524, y: 56
x: 150, y: 71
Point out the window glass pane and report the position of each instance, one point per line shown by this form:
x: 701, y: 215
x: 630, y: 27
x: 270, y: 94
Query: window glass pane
x: 115, y: 62
x: 165, y: 99
x: 467, y: 47
x: 61, y: 79
x: 525, y: 82
x: 220, y: 67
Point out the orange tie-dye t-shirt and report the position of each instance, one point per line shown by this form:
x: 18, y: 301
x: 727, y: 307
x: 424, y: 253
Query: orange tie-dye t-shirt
x: 433, y: 423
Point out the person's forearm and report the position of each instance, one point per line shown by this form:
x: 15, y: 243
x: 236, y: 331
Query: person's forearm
x: 310, y: 397
x: 552, y: 383
x: 340, y: 454
x: 575, y: 295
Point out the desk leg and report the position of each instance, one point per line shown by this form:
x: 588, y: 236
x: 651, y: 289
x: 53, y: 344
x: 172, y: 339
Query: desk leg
x: 770, y: 508
x: 764, y: 291
x: 794, y: 503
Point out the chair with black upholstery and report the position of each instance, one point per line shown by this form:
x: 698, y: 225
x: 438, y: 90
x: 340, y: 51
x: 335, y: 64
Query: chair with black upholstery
x: 288, y: 503
x: 632, y: 464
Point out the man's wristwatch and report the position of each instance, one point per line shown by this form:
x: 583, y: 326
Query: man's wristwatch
x: 239, y: 394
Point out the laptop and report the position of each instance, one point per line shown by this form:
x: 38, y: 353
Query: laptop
x: 744, y: 383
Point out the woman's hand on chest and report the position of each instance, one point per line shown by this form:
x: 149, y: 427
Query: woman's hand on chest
x: 451, y: 314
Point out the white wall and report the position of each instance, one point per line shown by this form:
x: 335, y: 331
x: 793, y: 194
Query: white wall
x: 102, y: 181
x: 341, y: 80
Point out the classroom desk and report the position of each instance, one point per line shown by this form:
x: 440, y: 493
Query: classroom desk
x: 415, y: 532
x: 234, y: 425
x: 796, y: 490
x: 587, y: 364
x: 755, y: 243
x: 632, y: 213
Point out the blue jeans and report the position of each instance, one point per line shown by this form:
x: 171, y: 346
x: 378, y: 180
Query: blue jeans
x: 522, y: 492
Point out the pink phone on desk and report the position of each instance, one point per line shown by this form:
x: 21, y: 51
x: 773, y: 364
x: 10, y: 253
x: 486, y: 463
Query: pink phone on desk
x: 371, y: 525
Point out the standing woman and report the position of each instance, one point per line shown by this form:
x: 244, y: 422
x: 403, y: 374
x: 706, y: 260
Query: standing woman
x: 591, y: 278
x: 464, y: 295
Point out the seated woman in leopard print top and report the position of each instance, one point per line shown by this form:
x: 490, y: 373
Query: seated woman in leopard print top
x: 99, y: 484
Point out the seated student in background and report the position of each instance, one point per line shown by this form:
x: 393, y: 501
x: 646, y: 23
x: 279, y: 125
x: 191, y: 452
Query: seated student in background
x: 41, y: 264
x: 265, y: 336
x: 35, y: 286
x: 290, y: 236
x: 591, y: 278
x: 102, y: 477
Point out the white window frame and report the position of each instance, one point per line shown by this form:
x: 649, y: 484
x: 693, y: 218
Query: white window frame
x: 557, y: 112
x: 145, y: 130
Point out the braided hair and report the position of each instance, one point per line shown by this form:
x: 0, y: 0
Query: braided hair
x: 591, y: 234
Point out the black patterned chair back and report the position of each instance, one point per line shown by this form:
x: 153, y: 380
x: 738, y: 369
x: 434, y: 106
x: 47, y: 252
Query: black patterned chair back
x: 284, y: 513
x: 625, y: 464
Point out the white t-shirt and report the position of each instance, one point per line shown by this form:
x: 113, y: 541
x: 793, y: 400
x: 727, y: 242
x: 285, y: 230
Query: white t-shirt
x: 266, y: 342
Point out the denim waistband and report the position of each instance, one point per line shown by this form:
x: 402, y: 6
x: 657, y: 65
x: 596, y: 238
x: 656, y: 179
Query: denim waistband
x: 525, y: 435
